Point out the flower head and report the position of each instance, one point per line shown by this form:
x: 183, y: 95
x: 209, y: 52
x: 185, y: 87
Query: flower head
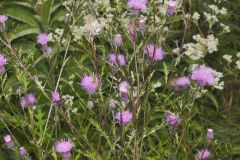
x: 204, y: 75
x: 112, y: 104
x: 124, y: 117
x: 138, y: 5
x: 28, y: 100
x: 171, y: 7
x: 90, y: 83
x: 117, y: 40
x: 142, y: 25
x: 56, y: 97
x: 3, y: 60
x: 182, y: 82
x: 203, y: 154
x: 118, y: 59
x: 172, y: 120
x: 210, y: 134
x: 23, y: 152
x: 42, y: 39
x: 64, y: 147
x: 3, y: 19
x: 8, y: 141
x: 154, y: 52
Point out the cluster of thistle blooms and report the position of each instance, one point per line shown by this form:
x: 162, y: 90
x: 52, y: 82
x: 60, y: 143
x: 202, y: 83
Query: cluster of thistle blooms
x: 9, y: 142
x: 203, y: 45
x: 3, y: 60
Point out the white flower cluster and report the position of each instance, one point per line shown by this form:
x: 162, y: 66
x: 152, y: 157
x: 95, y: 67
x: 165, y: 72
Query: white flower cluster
x: 227, y: 57
x: 238, y: 61
x: 57, y: 36
x: 218, y: 84
x: 204, y: 45
x: 212, y: 19
x: 217, y: 11
x: 226, y: 29
x: 68, y: 100
x: 195, y: 16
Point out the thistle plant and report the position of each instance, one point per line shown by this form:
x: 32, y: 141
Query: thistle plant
x: 101, y: 79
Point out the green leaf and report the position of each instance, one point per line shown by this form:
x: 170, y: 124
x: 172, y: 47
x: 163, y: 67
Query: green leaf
x: 212, y: 98
x: 46, y: 8
x: 22, y: 15
x: 22, y: 31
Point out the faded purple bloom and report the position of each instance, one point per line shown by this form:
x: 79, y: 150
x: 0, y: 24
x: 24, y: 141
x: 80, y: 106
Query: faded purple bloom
x: 117, y: 40
x: 123, y: 89
x: 47, y: 51
x: 64, y: 147
x: 210, y: 134
x: 112, y: 104
x: 171, y: 7
x: 8, y: 141
x: 182, y: 82
x: 124, y: 117
x: 56, y: 97
x: 67, y: 18
x: 42, y: 39
x: 90, y: 83
x: 203, y: 154
x: 28, y: 100
x: 154, y: 52
x: 142, y: 25
x: 23, y: 152
x: 3, y: 19
x: 117, y: 59
x: 23, y: 102
x: 172, y: 120
x: 132, y: 32
x: 203, y: 75
x: 138, y: 5
x: 3, y: 60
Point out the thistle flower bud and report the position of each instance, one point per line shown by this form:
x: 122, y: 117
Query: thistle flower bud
x: 8, y: 141
x: 210, y: 134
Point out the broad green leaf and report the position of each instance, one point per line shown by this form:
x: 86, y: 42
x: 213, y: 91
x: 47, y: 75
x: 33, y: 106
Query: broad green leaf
x: 212, y: 98
x: 22, y: 15
x: 23, y: 30
x: 46, y: 8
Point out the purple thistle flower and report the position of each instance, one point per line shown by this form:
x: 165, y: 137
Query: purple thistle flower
x: 203, y: 75
x: 90, y: 83
x: 56, y: 97
x: 23, y: 152
x: 137, y: 5
x: 117, y: 40
x: 31, y: 98
x: 28, y: 100
x: 8, y: 141
x: 172, y: 120
x: 154, y: 52
x: 171, y: 7
x: 210, y: 134
x: 64, y: 147
x: 42, y: 39
x: 3, y: 60
x: 123, y: 89
x: 118, y: 59
x: 142, y: 25
x: 182, y: 82
x: 3, y: 19
x: 124, y: 117
x: 112, y: 58
x: 203, y: 154
x: 121, y: 60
